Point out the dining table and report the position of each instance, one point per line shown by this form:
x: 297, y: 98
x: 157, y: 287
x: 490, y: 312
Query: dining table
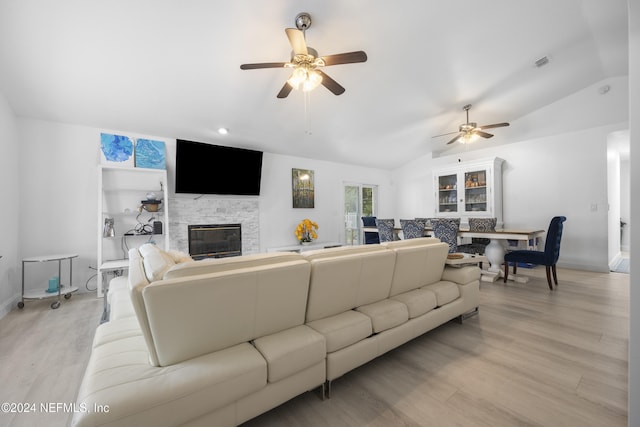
x: 495, y: 250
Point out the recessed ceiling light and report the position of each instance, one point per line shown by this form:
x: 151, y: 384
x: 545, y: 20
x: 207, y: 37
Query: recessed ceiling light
x: 223, y: 131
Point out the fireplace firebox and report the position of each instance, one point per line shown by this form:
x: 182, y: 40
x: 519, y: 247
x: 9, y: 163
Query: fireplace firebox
x: 215, y: 240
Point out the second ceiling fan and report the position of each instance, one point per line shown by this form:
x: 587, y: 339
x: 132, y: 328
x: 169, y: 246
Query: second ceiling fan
x: 469, y: 130
x: 306, y: 63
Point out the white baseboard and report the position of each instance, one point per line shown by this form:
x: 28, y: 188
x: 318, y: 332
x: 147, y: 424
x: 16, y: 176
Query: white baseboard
x: 614, y: 262
x: 9, y: 305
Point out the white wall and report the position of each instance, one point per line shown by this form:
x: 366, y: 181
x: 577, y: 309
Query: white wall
x: 59, y: 195
x: 9, y: 183
x: 278, y: 218
x: 625, y: 202
x: 58, y: 198
x: 634, y: 133
x: 545, y: 176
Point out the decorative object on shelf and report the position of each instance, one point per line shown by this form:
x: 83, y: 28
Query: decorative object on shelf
x: 108, y: 230
x: 54, y: 283
x: 306, y: 231
x: 302, y: 188
x: 151, y: 203
x: 116, y: 150
x: 150, y: 154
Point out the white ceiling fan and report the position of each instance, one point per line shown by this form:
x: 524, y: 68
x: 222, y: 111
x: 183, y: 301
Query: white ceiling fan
x: 306, y: 63
x: 469, y: 131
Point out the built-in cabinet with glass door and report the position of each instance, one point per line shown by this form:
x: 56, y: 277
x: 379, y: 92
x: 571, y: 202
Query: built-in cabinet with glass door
x: 469, y: 189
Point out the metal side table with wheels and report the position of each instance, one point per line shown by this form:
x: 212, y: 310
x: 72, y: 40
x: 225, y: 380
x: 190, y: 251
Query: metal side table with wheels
x: 62, y: 290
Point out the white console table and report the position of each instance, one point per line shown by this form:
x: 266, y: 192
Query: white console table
x: 302, y: 248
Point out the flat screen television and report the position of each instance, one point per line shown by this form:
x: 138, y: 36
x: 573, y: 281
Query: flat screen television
x: 213, y: 169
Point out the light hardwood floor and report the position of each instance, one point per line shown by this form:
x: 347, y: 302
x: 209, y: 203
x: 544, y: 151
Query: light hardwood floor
x: 532, y: 357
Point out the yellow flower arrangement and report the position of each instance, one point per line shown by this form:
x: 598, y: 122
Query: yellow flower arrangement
x: 306, y: 231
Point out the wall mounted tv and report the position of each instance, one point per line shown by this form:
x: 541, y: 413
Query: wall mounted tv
x: 213, y: 169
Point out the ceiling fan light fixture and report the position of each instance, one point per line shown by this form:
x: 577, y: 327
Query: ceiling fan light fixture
x: 468, y: 138
x: 305, y: 79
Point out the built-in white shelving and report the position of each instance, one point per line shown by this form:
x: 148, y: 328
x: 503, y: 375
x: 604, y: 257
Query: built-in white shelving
x: 121, y: 192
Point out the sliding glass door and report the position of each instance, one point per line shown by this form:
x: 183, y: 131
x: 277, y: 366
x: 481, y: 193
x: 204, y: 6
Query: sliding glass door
x: 359, y: 200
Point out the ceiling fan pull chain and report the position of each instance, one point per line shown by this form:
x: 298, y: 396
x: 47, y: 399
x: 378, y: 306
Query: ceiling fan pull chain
x: 307, y: 108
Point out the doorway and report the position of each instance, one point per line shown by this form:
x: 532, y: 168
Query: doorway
x: 359, y: 200
x: 619, y: 196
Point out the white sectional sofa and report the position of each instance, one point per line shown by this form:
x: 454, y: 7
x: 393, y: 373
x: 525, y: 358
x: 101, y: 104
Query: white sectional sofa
x: 220, y: 341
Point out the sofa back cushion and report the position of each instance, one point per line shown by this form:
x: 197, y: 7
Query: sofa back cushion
x: 343, y: 282
x: 137, y: 282
x: 200, y: 314
x: 340, y: 251
x: 213, y: 265
x: 417, y: 266
x: 421, y: 241
x: 155, y: 261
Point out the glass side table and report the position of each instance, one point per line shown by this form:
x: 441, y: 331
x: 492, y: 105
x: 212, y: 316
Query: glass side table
x: 65, y: 290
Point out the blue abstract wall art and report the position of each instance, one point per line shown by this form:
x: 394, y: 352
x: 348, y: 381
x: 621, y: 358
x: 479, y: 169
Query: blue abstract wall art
x: 150, y: 154
x: 116, y: 149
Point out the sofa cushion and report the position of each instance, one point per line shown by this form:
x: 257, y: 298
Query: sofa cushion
x: 200, y: 314
x: 116, y: 285
x: 340, y: 250
x: 418, y: 301
x: 343, y: 282
x: 410, y: 242
x: 385, y: 314
x: 117, y: 329
x: 121, y: 306
x: 343, y: 329
x: 179, y: 257
x: 291, y: 351
x: 445, y: 292
x: 156, y: 261
x: 138, y: 394
x: 418, y: 266
x: 214, y: 265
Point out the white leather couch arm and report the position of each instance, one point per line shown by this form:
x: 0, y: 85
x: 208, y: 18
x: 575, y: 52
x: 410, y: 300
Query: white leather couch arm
x: 461, y: 275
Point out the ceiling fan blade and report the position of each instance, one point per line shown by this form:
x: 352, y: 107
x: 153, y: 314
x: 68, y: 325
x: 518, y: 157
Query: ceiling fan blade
x: 482, y: 134
x: 285, y: 91
x: 296, y: 39
x: 445, y: 134
x: 331, y: 84
x: 459, y: 134
x: 263, y: 65
x: 496, y: 125
x: 345, y: 58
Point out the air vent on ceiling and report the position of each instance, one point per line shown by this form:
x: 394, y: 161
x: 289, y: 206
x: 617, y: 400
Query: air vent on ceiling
x: 542, y: 61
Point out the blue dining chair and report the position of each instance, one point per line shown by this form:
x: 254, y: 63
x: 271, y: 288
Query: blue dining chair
x: 548, y: 258
x: 446, y: 229
x: 412, y: 228
x: 385, y: 229
x: 370, y: 237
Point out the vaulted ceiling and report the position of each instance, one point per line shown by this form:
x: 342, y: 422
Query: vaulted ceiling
x: 170, y: 68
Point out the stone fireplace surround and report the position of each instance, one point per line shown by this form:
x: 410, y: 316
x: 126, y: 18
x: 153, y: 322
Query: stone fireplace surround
x: 185, y: 211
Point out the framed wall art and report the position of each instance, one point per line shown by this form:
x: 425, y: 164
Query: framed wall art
x: 116, y: 150
x: 150, y: 154
x: 302, y: 188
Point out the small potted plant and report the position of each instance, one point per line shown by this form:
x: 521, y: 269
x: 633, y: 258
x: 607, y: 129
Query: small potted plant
x: 306, y: 231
